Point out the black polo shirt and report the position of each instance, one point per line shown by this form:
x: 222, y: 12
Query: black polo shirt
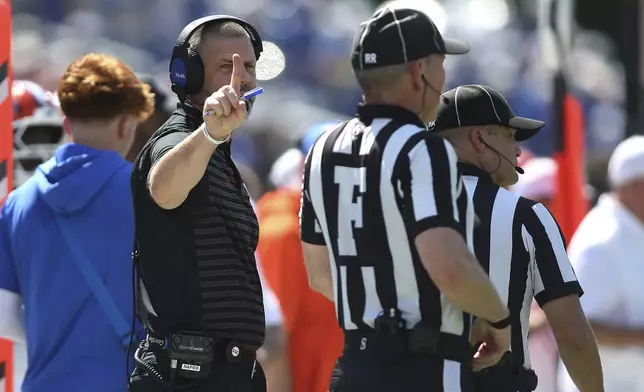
x: 197, y: 262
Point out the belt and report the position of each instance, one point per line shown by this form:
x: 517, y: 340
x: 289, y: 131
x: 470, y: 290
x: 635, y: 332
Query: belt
x: 450, y: 347
x: 224, y: 350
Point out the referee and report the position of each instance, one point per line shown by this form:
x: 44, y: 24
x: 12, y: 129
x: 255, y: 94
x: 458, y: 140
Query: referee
x: 385, y: 218
x: 517, y: 241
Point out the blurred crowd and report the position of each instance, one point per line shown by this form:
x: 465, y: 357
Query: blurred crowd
x: 306, y: 70
x: 306, y: 73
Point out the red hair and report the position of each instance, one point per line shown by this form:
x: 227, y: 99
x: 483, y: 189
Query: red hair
x: 100, y: 86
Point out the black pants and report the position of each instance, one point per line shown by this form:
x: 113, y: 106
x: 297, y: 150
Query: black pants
x: 224, y: 377
x: 360, y: 372
x: 493, y: 379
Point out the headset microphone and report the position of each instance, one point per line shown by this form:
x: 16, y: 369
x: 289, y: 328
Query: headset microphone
x: 517, y: 168
x: 426, y: 82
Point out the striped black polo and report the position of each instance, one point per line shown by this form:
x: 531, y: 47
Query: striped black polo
x: 520, y: 246
x: 369, y: 189
x: 197, y: 261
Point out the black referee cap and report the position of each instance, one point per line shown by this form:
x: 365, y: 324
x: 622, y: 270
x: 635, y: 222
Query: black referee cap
x: 395, y: 36
x: 474, y: 104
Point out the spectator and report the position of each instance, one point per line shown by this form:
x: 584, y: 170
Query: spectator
x: 157, y: 118
x: 606, y: 252
x: 75, y: 211
x: 314, y: 338
x: 273, y: 355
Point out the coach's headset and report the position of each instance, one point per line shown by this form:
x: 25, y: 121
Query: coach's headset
x: 186, y: 66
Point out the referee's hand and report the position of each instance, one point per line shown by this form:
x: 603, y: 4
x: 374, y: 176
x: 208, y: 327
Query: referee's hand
x: 492, y: 344
x: 224, y: 111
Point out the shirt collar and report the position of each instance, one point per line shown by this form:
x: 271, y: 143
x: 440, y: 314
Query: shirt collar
x: 193, y: 114
x: 467, y: 169
x: 367, y: 113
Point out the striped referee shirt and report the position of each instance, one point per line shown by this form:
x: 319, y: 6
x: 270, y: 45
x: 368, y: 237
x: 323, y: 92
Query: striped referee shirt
x: 370, y: 187
x: 520, y: 245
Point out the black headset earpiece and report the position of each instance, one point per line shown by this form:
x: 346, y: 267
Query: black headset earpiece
x: 186, y: 66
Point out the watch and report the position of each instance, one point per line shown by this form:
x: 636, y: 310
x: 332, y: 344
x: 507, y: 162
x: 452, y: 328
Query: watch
x: 501, y: 324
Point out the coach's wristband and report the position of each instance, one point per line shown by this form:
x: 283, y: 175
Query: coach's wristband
x: 212, y: 139
x: 501, y: 324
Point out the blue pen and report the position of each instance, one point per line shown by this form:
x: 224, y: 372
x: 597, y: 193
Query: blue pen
x: 253, y: 93
x: 247, y: 95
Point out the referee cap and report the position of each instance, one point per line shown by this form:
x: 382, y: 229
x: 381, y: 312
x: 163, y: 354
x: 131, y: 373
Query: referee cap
x: 475, y: 104
x: 394, y: 36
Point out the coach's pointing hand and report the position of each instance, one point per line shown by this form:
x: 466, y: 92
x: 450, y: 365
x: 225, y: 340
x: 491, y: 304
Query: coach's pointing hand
x: 224, y: 111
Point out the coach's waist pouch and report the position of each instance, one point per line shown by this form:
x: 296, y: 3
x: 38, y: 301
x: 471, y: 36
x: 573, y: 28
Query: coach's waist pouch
x: 392, y: 341
x: 190, y: 356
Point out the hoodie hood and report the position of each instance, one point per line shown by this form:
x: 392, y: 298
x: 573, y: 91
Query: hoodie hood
x: 71, y: 179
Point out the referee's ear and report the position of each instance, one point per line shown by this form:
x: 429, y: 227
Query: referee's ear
x: 477, y: 140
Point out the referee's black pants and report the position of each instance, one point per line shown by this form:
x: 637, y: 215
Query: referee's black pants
x: 494, y: 379
x: 244, y: 376
x: 487, y: 381
x: 360, y: 369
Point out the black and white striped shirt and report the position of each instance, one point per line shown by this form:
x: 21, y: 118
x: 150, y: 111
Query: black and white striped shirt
x: 369, y: 189
x: 520, y: 245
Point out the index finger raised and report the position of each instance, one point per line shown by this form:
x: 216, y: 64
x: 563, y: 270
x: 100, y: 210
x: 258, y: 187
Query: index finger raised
x: 237, y: 74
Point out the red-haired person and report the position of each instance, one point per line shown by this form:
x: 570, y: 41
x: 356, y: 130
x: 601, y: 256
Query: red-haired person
x: 75, y: 214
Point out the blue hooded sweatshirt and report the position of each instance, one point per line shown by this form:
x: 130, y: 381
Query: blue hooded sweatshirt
x: 71, y: 344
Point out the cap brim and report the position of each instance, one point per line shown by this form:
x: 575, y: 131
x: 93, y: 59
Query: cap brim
x: 526, y: 127
x: 453, y: 46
